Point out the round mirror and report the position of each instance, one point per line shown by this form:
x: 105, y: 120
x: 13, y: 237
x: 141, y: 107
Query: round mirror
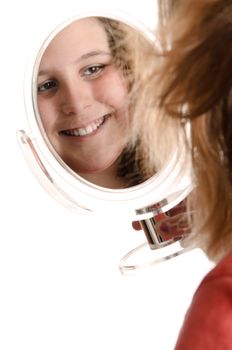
x: 85, y: 82
x: 85, y: 78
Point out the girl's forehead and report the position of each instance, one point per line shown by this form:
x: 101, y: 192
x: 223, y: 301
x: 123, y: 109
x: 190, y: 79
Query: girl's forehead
x: 75, y: 42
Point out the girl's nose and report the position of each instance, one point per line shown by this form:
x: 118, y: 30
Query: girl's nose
x: 76, y: 97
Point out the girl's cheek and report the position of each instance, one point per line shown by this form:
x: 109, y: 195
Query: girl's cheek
x: 112, y: 88
x: 113, y: 95
x: 46, y: 114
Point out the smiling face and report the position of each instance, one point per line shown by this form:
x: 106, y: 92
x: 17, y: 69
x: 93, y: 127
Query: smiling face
x: 83, y: 98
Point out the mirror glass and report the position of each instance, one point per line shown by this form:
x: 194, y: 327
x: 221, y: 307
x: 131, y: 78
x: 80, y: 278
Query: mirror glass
x: 87, y: 80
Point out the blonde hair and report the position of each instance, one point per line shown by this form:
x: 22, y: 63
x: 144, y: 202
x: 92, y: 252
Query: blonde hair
x: 195, y: 84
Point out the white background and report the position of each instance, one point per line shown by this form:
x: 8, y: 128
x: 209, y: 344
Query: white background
x: 60, y: 286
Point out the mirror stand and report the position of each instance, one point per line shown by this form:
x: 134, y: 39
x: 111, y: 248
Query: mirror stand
x: 155, y: 250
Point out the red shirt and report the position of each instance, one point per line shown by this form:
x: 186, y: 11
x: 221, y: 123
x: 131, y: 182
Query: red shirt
x: 208, y: 322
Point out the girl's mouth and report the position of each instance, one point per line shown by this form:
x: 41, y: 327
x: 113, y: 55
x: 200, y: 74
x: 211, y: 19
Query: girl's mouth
x: 87, y: 130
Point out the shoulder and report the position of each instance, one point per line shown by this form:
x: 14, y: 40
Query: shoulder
x: 214, y: 294
x: 221, y: 270
x: 208, y: 322
x: 217, y: 284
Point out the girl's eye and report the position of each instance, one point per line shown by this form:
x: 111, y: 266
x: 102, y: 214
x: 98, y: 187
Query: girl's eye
x: 47, y: 86
x: 93, y: 71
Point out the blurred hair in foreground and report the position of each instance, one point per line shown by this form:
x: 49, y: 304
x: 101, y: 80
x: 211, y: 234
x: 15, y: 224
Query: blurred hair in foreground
x: 190, y: 79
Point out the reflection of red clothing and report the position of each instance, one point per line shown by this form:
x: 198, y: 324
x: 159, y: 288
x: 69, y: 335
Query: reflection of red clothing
x: 208, y: 322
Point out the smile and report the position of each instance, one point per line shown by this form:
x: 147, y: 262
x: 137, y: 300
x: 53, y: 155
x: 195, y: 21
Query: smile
x: 87, y: 130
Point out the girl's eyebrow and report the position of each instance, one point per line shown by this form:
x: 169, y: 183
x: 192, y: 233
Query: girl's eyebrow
x: 94, y: 53
x: 82, y: 57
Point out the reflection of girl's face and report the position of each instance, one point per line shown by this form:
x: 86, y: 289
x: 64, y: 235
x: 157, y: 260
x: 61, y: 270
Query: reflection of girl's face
x: 82, y: 98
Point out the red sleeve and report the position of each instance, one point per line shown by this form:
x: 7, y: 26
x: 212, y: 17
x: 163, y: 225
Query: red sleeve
x: 208, y: 322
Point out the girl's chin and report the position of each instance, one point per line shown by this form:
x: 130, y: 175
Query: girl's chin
x: 93, y: 168
x: 96, y: 165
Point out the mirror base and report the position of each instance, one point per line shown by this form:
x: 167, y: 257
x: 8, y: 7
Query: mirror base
x: 143, y: 256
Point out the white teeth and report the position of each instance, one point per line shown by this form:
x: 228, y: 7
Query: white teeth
x: 89, y: 129
x: 82, y: 132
